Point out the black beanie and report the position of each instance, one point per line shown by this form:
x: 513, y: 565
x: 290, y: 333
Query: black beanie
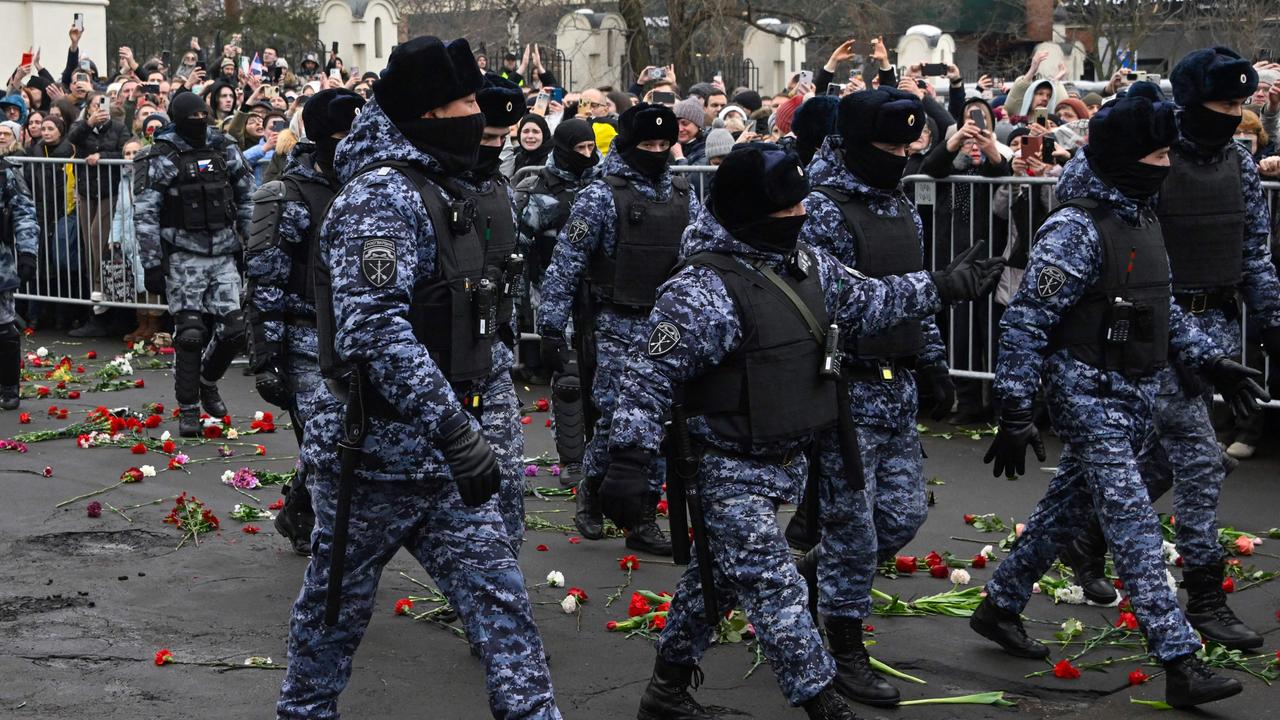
x: 571, y: 132
x: 1128, y: 129
x: 749, y: 99
x: 501, y: 101
x: 185, y: 105
x: 1146, y: 89
x: 330, y: 111
x: 424, y: 74
x: 754, y: 180
x: 646, y: 122
x: 886, y: 115
x: 1217, y: 73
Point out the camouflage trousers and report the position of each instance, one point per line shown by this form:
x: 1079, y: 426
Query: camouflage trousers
x: 861, y: 528
x: 753, y: 570
x: 8, y: 309
x: 500, y: 425
x: 468, y: 553
x: 1101, y: 474
x: 200, y: 283
x: 612, y: 353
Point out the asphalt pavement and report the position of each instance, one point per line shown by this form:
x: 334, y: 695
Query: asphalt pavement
x: 86, y: 603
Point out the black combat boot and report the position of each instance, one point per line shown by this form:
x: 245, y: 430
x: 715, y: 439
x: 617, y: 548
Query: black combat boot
x: 1086, y: 555
x: 1005, y: 629
x: 189, y: 424
x: 212, y: 400
x: 798, y: 535
x: 10, y: 362
x: 854, y: 677
x: 828, y: 705
x: 589, y: 519
x: 1208, y: 613
x: 667, y: 696
x: 296, y: 520
x: 9, y: 399
x: 1229, y: 464
x: 807, y: 566
x: 570, y: 475
x: 1189, y: 682
x: 646, y: 536
x: 570, y: 424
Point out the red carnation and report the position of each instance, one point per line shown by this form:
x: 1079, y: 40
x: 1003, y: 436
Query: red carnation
x: 152, y: 421
x: 979, y: 561
x: 542, y: 548
x: 250, y: 529
x: 933, y: 558
x: 42, y: 391
x: 24, y: 419
x: 1127, y: 620
x: 629, y: 562
x: 939, y: 571
x: 62, y: 385
x: 277, y: 505
x: 1065, y: 670
x: 658, y: 622
x: 577, y: 593
x: 163, y: 656
x: 139, y: 449
x: 212, y: 431
x: 74, y: 395
x: 80, y: 369
x: 139, y: 383
x: 1228, y: 585
x: 576, y: 540
x: 94, y: 509
x: 403, y: 606
x: 611, y: 625
x: 525, y: 420
x: 905, y: 564
x: 62, y: 413
x: 541, y: 404
x: 548, y: 423
x: 662, y: 508
x: 968, y: 519
x: 638, y: 605
x: 1137, y: 677
x: 169, y: 446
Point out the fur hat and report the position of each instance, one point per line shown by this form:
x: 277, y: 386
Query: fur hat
x: 646, y: 122
x: 1217, y: 73
x: 749, y: 99
x: 501, y: 101
x: 1129, y: 129
x: 815, y: 119
x: 754, y: 180
x: 424, y: 74
x: 330, y: 111
x: 886, y: 115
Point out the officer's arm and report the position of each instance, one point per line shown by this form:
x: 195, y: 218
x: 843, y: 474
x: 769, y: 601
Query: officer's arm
x: 151, y: 177
x: 578, y: 239
x: 242, y: 184
x: 268, y: 271
x: 1064, y: 262
x: 824, y: 228
x: 1261, y: 288
x: 1188, y: 343
x: 692, y: 327
x: 372, y: 239
x: 861, y: 305
x: 934, y: 351
x: 26, y: 229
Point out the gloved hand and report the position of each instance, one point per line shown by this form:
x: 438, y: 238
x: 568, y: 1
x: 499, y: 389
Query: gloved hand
x: 475, y: 467
x: 1271, y: 341
x: 625, y: 489
x: 274, y: 388
x: 969, y: 277
x: 154, y: 280
x: 1238, y: 385
x: 26, y: 267
x: 941, y: 388
x: 551, y: 350
x: 1009, y: 449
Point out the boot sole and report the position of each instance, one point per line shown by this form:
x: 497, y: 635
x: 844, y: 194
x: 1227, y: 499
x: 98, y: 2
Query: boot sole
x: 848, y: 694
x: 1222, y: 695
x: 587, y: 535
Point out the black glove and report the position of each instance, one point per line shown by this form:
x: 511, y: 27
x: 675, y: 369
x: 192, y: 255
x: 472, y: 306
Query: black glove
x: 969, y: 276
x: 274, y: 388
x: 26, y: 267
x: 474, y: 466
x: 941, y: 388
x: 1271, y: 341
x: 1009, y: 449
x: 1237, y: 385
x: 625, y: 489
x: 154, y: 280
x: 551, y: 350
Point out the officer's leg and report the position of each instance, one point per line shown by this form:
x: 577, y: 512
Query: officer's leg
x: 569, y: 423
x: 501, y: 428
x: 188, y: 341
x: 469, y: 552
x: 901, y: 503
x: 589, y: 518
x: 10, y: 353
x: 382, y: 516
x: 223, y: 301
x: 296, y: 520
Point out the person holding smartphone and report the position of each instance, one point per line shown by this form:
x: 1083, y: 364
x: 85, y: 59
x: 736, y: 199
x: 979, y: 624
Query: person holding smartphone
x: 18, y: 265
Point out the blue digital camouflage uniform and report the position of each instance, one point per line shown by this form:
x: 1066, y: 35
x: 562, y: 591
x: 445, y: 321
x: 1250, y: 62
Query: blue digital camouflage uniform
x: 404, y: 493
x: 740, y: 496
x: 1102, y: 417
x: 861, y: 528
x: 539, y: 213
x: 26, y: 238
x: 615, y: 332
x: 1188, y: 457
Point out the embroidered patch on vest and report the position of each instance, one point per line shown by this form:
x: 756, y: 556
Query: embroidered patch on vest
x: 378, y: 261
x: 1050, y: 281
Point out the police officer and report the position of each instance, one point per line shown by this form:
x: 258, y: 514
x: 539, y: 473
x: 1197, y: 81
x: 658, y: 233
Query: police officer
x: 622, y: 240
x: 543, y: 201
x: 403, y: 254
x: 1214, y: 216
x: 1094, y: 319
x: 859, y: 213
x: 280, y: 302
x: 21, y: 243
x: 738, y: 338
x: 503, y: 105
x: 193, y: 193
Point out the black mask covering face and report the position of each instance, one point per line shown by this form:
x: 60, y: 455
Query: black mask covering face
x: 772, y: 234
x: 1208, y: 128
x: 326, y: 147
x: 193, y: 130
x: 453, y: 142
x: 574, y: 161
x: 487, y: 160
x: 1137, y: 181
x: 646, y: 162
x: 875, y: 167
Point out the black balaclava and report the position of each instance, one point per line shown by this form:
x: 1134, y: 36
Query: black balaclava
x: 538, y: 156
x: 454, y: 142
x: 1207, y: 128
x: 328, y: 112
x: 879, y: 169
x: 567, y: 135
x: 488, y: 157
x: 193, y: 130
x: 1122, y: 133
x: 885, y: 115
x: 754, y: 180
x: 646, y: 122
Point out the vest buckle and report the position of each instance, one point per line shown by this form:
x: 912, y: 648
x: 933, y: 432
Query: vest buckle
x: 1199, y: 303
x: 885, y: 367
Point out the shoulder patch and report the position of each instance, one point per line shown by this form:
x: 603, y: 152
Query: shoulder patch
x: 1050, y: 281
x: 663, y: 339
x: 578, y: 230
x: 378, y: 261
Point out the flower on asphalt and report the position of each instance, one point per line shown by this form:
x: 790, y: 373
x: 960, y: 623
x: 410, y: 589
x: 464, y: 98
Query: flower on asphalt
x: 94, y: 510
x: 569, y: 604
x: 579, y: 594
x: 403, y: 606
x: 938, y: 571
x: 960, y: 576
x: 1169, y: 552
x: 1137, y: 677
x: 530, y: 470
x: 42, y: 352
x: 250, y: 529
x: 1228, y: 585
x: 905, y: 564
x: 979, y: 561
x: 1065, y: 670
x: 1128, y: 621
x: 555, y: 578
x: 1244, y: 545
x: 148, y: 470
x: 163, y: 656
x: 1071, y: 594
x: 629, y: 562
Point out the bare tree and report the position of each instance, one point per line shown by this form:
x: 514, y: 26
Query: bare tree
x: 1243, y: 25
x: 1124, y: 24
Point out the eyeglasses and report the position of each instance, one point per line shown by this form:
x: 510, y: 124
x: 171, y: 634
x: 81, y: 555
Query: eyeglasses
x: 599, y: 104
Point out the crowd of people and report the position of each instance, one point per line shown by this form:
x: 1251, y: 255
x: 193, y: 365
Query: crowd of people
x: 380, y: 243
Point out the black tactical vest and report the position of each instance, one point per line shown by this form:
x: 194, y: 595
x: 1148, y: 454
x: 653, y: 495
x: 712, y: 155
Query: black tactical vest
x: 885, y: 246
x: 264, y: 229
x: 201, y: 199
x: 768, y: 389
x: 1203, y: 215
x: 648, y: 245
x: 1122, y: 322
x: 495, y: 224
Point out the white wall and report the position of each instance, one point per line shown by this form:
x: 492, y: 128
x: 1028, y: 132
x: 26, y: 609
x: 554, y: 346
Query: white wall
x: 363, y: 42
x: 778, y: 58
x: 596, y: 53
x: 44, y: 24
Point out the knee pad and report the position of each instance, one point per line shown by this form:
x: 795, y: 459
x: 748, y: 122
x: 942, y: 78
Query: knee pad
x: 566, y: 388
x: 231, y: 327
x: 189, y: 331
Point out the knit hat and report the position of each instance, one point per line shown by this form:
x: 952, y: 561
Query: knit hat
x: 1016, y: 133
x: 424, y: 74
x: 330, y: 111
x: 501, y: 101
x: 785, y: 113
x: 886, y: 115
x: 749, y: 99
x: 605, y: 134
x: 718, y: 144
x: 646, y: 122
x: 815, y: 119
x: 1217, y: 73
x: 691, y: 109
x: 571, y: 132
x: 186, y: 104
x: 14, y: 128
x: 1092, y: 98
x: 730, y: 109
x: 1129, y: 129
x: 754, y: 180
x: 1082, y: 110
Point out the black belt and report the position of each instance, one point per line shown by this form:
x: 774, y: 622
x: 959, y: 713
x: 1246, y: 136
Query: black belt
x: 875, y: 370
x: 1197, y: 303
x: 784, y: 459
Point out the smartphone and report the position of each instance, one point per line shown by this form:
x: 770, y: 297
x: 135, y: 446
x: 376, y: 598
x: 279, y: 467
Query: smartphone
x: 334, y: 47
x: 557, y: 94
x: 77, y: 21
x: 201, y: 67
x: 1031, y: 146
x: 540, y: 105
x: 277, y: 125
x: 27, y: 58
x: 836, y: 89
x: 335, y: 73
x: 1137, y: 75
x: 718, y: 78
x: 270, y: 91
x: 102, y: 103
x: 934, y: 69
x: 244, y: 64
x: 1040, y: 116
x: 86, y: 65
x: 663, y: 98
x: 762, y: 126
x: 150, y: 88
x: 165, y: 57
x: 656, y: 74
x: 1049, y: 144
x: 978, y: 118
x: 921, y: 84
x: 806, y: 77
